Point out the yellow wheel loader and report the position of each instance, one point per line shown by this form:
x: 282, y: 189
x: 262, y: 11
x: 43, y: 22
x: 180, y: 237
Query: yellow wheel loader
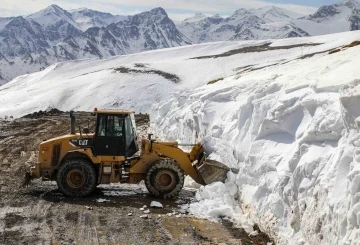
x: 78, y: 162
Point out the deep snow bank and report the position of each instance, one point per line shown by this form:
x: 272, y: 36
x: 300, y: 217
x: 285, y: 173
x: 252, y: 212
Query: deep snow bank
x: 292, y: 132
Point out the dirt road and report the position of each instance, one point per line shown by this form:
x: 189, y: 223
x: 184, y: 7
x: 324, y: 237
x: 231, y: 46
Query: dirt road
x: 40, y: 214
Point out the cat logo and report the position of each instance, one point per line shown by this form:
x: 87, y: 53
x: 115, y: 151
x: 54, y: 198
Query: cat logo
x: 83, y: 142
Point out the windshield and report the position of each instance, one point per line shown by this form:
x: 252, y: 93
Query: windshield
x: 132, y: 116
x: 110, y: 125
x: 131, y: 137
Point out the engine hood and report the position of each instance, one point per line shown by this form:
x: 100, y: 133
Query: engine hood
x: 67, y: 137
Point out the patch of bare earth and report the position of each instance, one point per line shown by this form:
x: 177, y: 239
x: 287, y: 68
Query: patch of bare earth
x: 172, y: 77
x: 252, y: 49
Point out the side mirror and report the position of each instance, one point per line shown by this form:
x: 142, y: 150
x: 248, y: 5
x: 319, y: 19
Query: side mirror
x: 150, y: 136
x: 86, y: 131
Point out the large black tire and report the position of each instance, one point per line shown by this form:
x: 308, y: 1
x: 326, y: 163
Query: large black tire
x: 165, y: 179
x: 76, y: 177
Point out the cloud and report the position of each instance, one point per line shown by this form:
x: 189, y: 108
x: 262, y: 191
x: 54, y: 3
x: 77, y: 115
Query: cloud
x: 180, y: 17
x: 107, y: 8
x: 212, y: 6
x: 178, y: 9
x: 14, y: 8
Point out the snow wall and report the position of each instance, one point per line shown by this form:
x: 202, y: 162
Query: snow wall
x: 297, y: 150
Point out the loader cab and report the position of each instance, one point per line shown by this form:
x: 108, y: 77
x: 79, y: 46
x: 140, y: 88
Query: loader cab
x: 115, y: 133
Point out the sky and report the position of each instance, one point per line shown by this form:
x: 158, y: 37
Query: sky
x: 176, y: 9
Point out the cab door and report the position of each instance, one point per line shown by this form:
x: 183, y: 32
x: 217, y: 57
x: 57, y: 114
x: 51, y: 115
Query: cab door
x: 109, y: 138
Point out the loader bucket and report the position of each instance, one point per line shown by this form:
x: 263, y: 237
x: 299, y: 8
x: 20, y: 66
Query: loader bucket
x: 212, y: 171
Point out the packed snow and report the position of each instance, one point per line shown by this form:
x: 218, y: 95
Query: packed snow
x: 101, y: 200
x: 287, y: 118
x: 155, y: 204
x: 292, y: 130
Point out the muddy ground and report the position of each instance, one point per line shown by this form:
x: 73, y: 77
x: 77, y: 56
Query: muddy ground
x: 40, y: 214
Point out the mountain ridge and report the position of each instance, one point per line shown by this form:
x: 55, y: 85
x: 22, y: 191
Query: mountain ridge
x: 31, y: 43
x: 273, y: 22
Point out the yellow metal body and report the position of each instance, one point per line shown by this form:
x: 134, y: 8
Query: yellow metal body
x: 111, y: 168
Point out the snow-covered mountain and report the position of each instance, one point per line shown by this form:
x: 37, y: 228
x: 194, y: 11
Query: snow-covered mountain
x: 344, y: 16
x: 284, y: 112
x: 65, y: 85
x: 272, y: 22
x: 197, y: 17
x: 29, y: 44
x: 32, y: 43
x: 243, y: 24
x: 56, y: 22
x: 87, y: 18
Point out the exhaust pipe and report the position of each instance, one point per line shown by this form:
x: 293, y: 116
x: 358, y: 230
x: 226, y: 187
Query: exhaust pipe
x: 72, y: 126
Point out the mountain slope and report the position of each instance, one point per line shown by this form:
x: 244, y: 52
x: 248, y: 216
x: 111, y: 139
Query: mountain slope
x: 87, y: 18
x: 273, y: 22
x: 243, y: 24
x: 147, y: 31
x: 197, y: 17
x: 274, y: 14
x: 185, y: 67
x: 30, y: 44
x: 344, y: 16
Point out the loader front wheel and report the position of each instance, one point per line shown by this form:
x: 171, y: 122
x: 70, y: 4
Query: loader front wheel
x: 76, y: 177
x: 165, y: 179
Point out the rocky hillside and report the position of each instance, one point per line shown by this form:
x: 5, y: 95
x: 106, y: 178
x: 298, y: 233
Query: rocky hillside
x: 31, y: 43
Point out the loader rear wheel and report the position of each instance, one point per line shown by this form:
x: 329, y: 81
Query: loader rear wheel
x: 76, y: 177
x: 165, y: 179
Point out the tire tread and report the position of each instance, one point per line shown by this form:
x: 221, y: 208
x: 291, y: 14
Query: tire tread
x: 169, y: 164
x: 85, y: 165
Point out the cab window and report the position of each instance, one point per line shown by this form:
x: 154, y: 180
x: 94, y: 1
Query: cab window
x: 101, y: 125
x: 129, y: 131
x: 110, y: 126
